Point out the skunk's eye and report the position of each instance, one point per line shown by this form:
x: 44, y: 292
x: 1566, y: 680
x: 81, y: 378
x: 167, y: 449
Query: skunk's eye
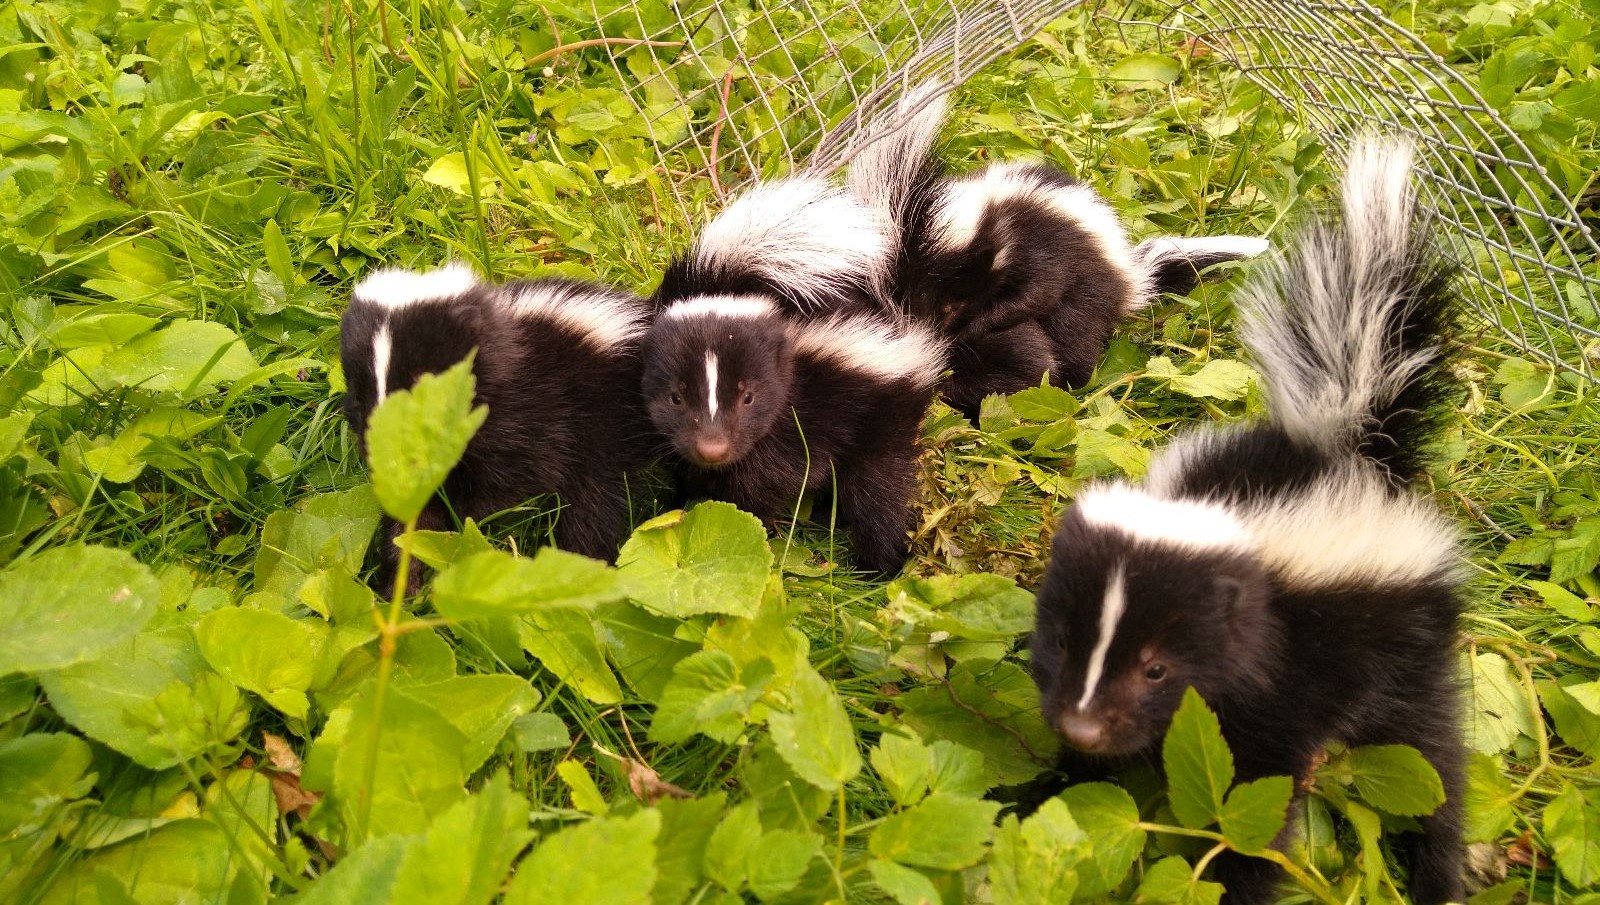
x: 749, y: 398
x: 676, y: 399
x: 1155, y: 672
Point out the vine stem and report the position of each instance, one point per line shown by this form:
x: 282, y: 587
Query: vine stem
x: 389, y: 632
x: 1318, y: 889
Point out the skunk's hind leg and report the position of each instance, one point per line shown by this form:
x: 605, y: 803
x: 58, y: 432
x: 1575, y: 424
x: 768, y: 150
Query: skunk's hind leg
x: 875, y: 503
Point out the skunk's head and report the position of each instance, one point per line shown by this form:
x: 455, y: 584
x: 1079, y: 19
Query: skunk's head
x: 717, y: 375
x: 1142, y: 599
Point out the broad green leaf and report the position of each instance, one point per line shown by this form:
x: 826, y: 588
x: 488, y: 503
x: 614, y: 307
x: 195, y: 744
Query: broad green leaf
x: 957, y: 770
x: 327, y: 530
x: 1217, y: 379
x: 535, y: 732
x: 586, y: 795
x: 945, y: 832
x: 13, y: 431
x: 1109, y: 816
x: 905, y: 765
x: 815, y: 735
x: 482, y: 707
x: 467, y: 852
x: 1563, y: 601
x: 1587, y: 694
x: 417, y: 774
x: 986, y: 707
x: 782, y: 861
x: 17, y: 695
x: 1036, y: 860
x: 240, y: 800
x: 146, y: 698
x: 187, y: 357
x: 1501, y: 711
x: 416, y: 436
x: 686, y: 828
x: 708, y: 694
x: 1198, y: 762
x: 1255, y: 812
x: 187, y: 861
x: 495, y: 583
x: 438, y: 549
x: 976, y: 606
x: 1576, y: 725
x: 564, y: 641
x: 40, y: 772
x: 1490, y: 799
x: 1396, y: 779
x: 112, y: 328
x: 711, y: 559
x: 784, y: 799
x: 1171, y: 881
x: 642, y: 645
x: 1146, y: 67
x: 605, y: 861
x: 365, y: 876
x: 68, y: 604
x: 1043, y: 403
x: 1572, y: 824
x: 906, y: 885
x: 267, y: 653
x: 728, y: 852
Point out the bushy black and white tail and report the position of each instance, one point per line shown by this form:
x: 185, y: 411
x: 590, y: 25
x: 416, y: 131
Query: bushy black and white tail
x: 1351, y: 325
x: 900, y: 156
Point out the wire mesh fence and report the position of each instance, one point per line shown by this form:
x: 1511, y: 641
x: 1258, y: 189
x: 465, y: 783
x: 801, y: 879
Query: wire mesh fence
x: 731, y: 90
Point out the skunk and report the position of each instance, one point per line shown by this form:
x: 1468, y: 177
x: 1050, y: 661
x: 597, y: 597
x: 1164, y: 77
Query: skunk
x: 1012, y: 244
x: 759, y: 407
x: 809, y: 246
x: 1285, y: 570
x: 558, y: 366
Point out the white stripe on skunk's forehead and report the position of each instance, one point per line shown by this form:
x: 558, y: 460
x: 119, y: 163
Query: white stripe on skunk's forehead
x: 604, y: 317
x: 720, y: 306
x: 397, y: 287
x: 892, y: 351
x: 965, y: 201
x: 1149, y: 519
x: 802, y: 233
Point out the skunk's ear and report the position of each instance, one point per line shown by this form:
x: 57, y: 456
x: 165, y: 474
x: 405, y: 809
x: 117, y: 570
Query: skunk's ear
x: 1174, y: 263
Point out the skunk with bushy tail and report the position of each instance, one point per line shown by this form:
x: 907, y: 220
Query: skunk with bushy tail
x: 1013, y: 254
x: 558, y: 367
x: 1286, y: 570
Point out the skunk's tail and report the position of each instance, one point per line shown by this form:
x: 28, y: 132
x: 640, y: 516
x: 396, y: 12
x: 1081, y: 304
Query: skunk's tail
x: 1351, y: 325
x: 900, y: 159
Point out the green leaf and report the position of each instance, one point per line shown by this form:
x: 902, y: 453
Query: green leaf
x: 416, y: 436
x: 708, y: 694
x: 564, y: 641
x: 418, y: 772
x: 784, y: 857
x: 686, y: 828
x: 1490, y: 799
x: 1501, y: 711
x: 276, y: 251
x: 181, y: 862
x: 711, y: 559
x: 1396, y: 779
x: 1109, y: 816
x: 467, y: 852
x: 1563, y: 601
x: 188, y: 357
x: 494, y: 583
x: 482, y: 707
x: 606, y: 861
x: 327, y: 530
x: 731, y: 845
x: 68, y: 604
x: 1198, y: 762
x: 1217, y: 379
x: 815, y: 736
x: 536, y: 732
x: 267, y: 653
x: 586, y: 795
x: 1255, y: 812
x: 906, y: 885
x: 365, y: 876
x: 1170, y: 881
x: 975, y: 606
x: 986, y: 707
x: 40, y: 772
x: 1146, y: 67
x: 944, y: 832
x: 1036, y: 860
x: 13, y: 431
x: 1044, y: 403
x: 905, y: 765
x: 1572, y: 824
x: 1576, y: 725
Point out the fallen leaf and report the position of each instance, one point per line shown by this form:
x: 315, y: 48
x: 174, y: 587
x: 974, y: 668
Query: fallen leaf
x: 1523, y: 854
x: 285, y: 773
x: 647, y: 784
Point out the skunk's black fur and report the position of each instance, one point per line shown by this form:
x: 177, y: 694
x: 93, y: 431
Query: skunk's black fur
x: 558, y: 367
x: 1286, y: 570
x: 1013, y: 244
x: 759, y: 408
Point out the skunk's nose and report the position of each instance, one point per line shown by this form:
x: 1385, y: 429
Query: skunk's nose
x: 1082, y: 732
x: 711, y: 450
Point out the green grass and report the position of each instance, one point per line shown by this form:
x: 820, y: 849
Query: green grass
x: 187, y: 192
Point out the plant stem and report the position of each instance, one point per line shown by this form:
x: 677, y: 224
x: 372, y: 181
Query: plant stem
x: 389, y: 632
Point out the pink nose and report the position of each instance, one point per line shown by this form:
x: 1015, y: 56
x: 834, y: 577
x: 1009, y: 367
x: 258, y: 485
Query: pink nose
x: 1082, y: 732
x: 711, y: 450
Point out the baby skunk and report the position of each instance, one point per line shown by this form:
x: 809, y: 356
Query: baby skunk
x: 557, y: 365
x: 810, y: 247
x: 1010, y: 245
x: 759, y: 408
x: 1285, y: 570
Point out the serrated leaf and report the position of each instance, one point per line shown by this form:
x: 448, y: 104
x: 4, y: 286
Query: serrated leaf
x: 945, y: 832
x: 40, y: 772
x: 1490, y: 801
x: 1396, y: 779
x: 1501, y: 711
x: 975, y: 606
x: 416, y: 436
x: 905, y: 885
x: 417, y: 774
x: 711, y: 559
x: 1036, y: 860
x: 494, y: 583
x: 686, y: 828
x: 483, y: 707
x: 815, y: 736
x: 183, y: 861
x: 728, y: 852
x: 1563, y: 601
x: 1572, y: 824
x: 1198, y: 763
x: 1255, y: 812
x: 564, y: 641
x: 1043, y: 403
x: 1217, y: 379
x: 905, y: 765
x: 986, y: 707
x: 708, y: 694
x: 69, y: 604
x: 1574, y: 723
x: 1171, y: 881
x: 785, y: 854
x: 536, y: 732
x: 1110, y: 818
x: 606, y: 861
x: 267, y: 653
x: 586, y: 795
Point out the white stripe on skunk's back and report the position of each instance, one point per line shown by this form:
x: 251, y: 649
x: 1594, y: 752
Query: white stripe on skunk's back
x: 1146, y: 518
x: 891, y: 351
x: 396, y: 287
x: 720, y: 306
x: 604, y: 317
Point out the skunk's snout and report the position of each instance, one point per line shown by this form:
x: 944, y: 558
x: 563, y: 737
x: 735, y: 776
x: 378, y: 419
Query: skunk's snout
x: 712, y: 450
x: 1086, y: 733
